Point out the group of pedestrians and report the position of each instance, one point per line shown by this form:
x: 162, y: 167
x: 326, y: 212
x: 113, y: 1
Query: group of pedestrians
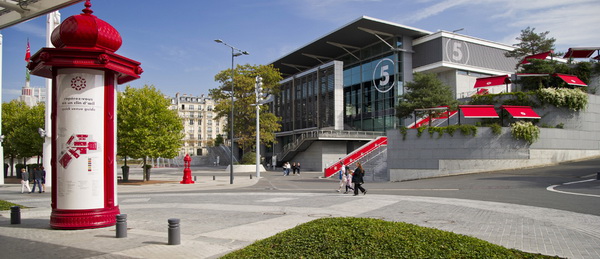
x: 39, y: 180
x: 294, y: 168
x: 352, y: 180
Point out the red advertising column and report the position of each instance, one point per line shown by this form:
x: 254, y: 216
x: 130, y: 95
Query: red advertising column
x: 85, y: 72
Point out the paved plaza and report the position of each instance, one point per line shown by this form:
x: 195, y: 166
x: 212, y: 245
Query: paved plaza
x: 218, y: 217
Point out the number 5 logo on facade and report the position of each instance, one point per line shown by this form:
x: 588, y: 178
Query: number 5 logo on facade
x: 457, y: 51
x: 383, y: 75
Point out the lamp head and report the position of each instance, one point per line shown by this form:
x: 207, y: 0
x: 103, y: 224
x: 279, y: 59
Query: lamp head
x: 218, y: 41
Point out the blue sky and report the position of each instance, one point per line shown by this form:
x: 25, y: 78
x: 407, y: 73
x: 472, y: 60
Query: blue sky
x: 174, y: 40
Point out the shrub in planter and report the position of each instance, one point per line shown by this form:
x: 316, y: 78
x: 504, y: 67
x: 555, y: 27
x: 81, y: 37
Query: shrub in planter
x: 573, y: 99
x: 496, y: 129
x: 525, y: 130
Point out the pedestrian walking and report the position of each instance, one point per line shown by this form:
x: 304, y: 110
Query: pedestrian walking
x: 342, y: 176
x: 357, y: 179
x: 288, y: 168
x: 348, y: 179
x: 25, y: 181
x: 43, y: 179
x: 37, y: 179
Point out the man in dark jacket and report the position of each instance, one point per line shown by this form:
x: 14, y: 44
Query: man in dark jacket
x: 37, y: 179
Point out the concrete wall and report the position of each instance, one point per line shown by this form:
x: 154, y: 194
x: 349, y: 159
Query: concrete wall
x: 425, y: 156
x: 321, y: 154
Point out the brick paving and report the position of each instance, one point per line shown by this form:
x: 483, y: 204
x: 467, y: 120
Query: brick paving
x: 215, y: 223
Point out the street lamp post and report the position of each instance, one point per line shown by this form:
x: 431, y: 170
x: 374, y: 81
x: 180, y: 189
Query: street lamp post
x: 235, y: 52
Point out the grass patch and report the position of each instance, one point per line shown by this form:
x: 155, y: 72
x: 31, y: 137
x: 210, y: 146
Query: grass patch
x: 5, y: 205
x: 372, y: 238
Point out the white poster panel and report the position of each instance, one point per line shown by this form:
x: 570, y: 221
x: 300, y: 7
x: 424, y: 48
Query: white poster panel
x: 80, y: 138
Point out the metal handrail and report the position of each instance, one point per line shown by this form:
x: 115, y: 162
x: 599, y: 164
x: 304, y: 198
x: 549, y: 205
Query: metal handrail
x: 316, y: 134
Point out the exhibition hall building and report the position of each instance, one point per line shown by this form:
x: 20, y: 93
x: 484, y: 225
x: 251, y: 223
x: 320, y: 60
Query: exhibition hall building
x: 340, y: 90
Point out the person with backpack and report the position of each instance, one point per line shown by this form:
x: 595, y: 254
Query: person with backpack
x: 357, y: 179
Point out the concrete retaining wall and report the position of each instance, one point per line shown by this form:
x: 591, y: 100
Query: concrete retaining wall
x: 421, y: 157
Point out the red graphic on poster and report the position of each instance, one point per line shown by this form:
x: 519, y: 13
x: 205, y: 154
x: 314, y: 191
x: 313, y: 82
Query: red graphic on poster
x: 78, y: 83
x: 77, y: 145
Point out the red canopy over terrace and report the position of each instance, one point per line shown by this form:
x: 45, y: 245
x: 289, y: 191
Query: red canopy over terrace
x: 570, y: 79
x: 478, y: 111
x: 521, y: 112
x: 584, y: 52
x: 543, y: 55
x: 492, y: 81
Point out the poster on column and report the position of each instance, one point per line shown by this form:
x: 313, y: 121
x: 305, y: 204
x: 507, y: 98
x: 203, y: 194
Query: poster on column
x: 80, y: 135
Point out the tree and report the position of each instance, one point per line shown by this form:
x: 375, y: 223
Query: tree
x: 219, y: 140
x: 244, y: 112
x: 20, y: 124
x: 146, y: 127
x: 425, y: 91
x: 531, y: 43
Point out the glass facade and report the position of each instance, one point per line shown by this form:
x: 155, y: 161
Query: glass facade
x: 307, y: 100
x: 372, y: 82
x: 367, y: 105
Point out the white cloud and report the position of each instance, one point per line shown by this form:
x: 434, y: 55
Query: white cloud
x: 433, y: 10
x: 31, y: 28
x: 571, y: 23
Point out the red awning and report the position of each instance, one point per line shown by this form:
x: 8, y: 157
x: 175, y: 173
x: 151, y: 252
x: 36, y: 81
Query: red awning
x: 492, y: 81
x: 536, y: 56
x: 571, y: 80
x: 521, y: 112
x: 482, y: 91
x: 478, y: 111
x: 580, y: 52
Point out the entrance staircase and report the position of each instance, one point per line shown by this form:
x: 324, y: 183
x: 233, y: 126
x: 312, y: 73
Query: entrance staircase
x: 372, y: 156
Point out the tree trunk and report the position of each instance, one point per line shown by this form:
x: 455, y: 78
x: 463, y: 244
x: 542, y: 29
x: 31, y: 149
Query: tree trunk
x: 145, y: 173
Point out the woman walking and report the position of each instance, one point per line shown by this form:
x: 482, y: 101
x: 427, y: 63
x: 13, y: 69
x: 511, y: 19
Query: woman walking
x: 357, y: 179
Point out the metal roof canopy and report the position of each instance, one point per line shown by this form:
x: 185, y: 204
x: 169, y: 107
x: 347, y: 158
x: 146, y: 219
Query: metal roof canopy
x: 16, y: 11
x: 354, y: 35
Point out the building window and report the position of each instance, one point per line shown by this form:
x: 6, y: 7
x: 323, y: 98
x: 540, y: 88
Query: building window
x: 191, y: 121
x: 191, y: 107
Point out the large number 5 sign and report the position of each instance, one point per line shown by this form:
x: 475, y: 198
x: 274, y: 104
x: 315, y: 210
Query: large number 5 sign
x: 457, y: 51
x: 382, y: 75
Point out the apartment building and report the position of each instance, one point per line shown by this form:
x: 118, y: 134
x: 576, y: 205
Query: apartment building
x: 200, y: 125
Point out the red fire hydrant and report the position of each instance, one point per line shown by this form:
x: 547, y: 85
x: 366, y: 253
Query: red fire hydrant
x: 187, y: 172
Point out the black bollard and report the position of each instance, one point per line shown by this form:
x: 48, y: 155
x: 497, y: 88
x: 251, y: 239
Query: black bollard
x: 194, y: 178
x: 213, y: 177
x: 598, y: 176
x: 250, y: 177
x: 121, y: 225
x: 15, y: 215
x: 174, y: 232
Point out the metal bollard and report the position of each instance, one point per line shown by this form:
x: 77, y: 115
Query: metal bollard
x: 213, y: 177
x: 15, y: 215
x: 194, y: 178
x: 598, y: 176
x: 174, y: 232
x: 250, y: 177
x: 121, y: 225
